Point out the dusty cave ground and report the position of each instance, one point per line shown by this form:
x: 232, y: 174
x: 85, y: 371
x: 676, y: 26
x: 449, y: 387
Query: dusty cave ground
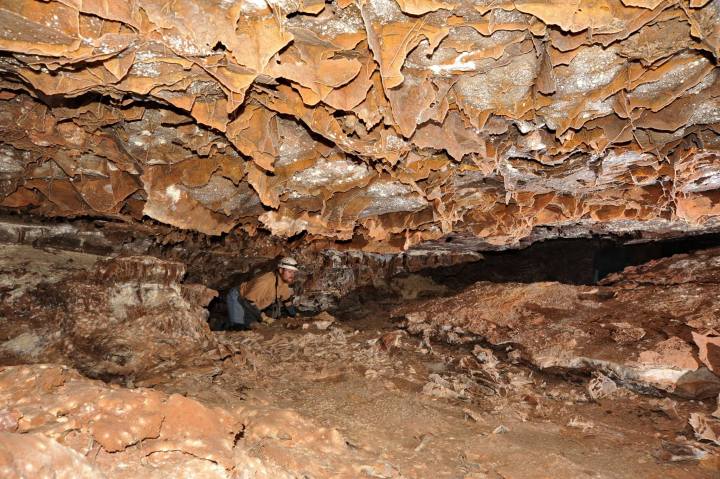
x: 109, y: 370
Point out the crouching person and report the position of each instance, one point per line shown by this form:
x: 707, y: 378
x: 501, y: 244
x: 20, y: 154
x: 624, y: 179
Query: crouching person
x: 264, y: 298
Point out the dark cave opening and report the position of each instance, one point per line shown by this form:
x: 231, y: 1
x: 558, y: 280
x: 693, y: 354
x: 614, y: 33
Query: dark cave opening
x: 571, y: 261
x: 579, y: 261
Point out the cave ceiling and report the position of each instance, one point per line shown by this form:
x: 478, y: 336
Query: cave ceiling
x: 383, y: 123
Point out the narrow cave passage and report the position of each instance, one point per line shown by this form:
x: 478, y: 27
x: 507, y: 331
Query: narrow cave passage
x: 571, y: 261
x: 517, y: 355
x: 584, y: 261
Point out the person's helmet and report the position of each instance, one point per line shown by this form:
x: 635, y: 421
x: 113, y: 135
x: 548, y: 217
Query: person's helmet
x: 288, y: 263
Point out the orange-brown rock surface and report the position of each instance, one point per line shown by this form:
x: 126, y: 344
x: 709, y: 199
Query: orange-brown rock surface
x: 327, y: 275
x: 56, y: 423
x: 384, y: 122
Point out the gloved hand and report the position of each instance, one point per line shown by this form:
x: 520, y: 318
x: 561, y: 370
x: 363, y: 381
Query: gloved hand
x: 265, y: 319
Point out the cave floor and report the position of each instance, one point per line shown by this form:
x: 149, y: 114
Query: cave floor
x: 369, y: 380
x: 350, y: 396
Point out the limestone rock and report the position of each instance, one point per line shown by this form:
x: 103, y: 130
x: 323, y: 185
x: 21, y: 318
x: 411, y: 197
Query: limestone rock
x: 59, y: 419
x: 706, y: 428
x: 709, y: 349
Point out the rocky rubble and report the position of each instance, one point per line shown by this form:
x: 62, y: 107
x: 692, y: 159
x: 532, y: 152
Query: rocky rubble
x: 383, y: 124
x: 652, y: 328
x: 701, y: 268
x: 331, y: 275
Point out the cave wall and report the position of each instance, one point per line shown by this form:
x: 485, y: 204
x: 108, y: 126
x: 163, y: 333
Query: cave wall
x: 651, y: 327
